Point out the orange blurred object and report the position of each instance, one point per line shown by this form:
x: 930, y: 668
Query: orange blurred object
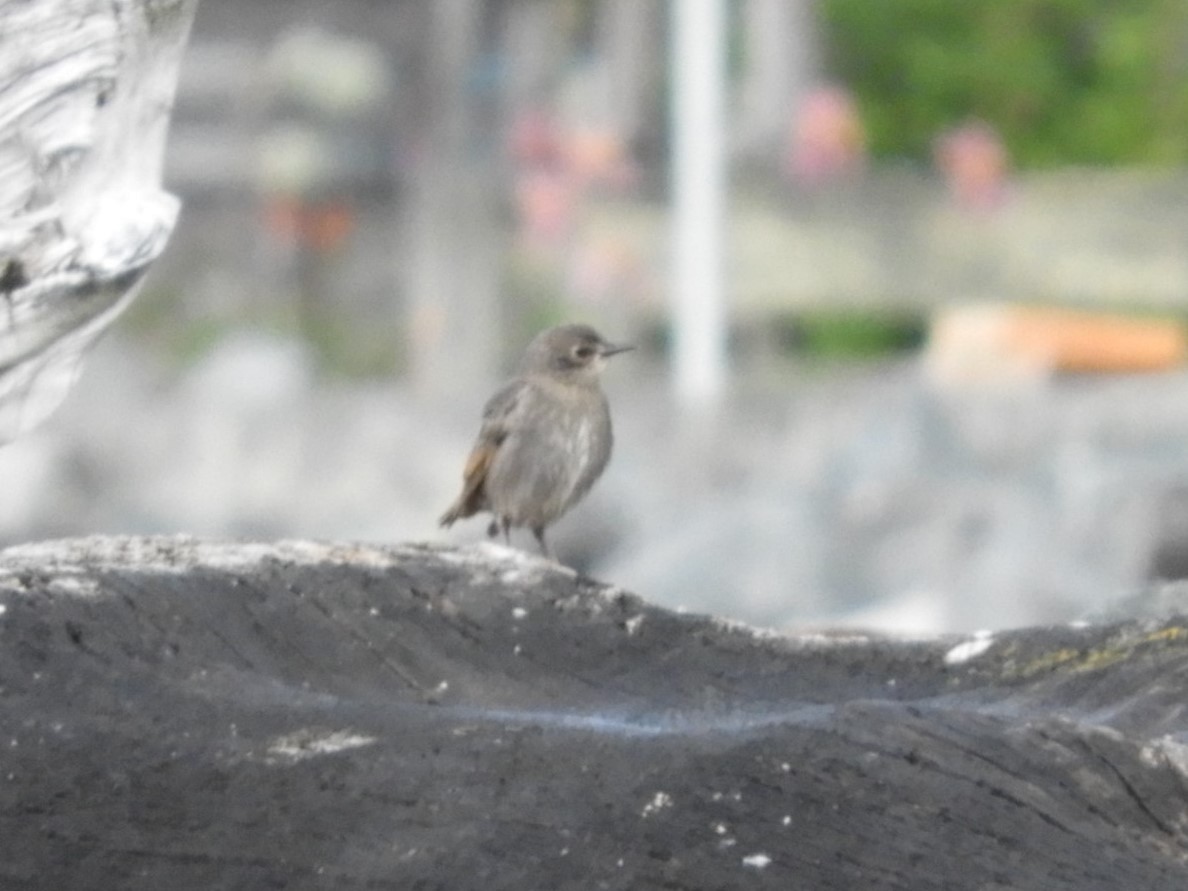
x: 973, y: 340
x: 319, y: 226
x: 599, y: 156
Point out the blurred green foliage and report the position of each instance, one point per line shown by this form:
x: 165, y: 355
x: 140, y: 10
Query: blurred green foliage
x: 853, y: 334
x: 1064, y: 81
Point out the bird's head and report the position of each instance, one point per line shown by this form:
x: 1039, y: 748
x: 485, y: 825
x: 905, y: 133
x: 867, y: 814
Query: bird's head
x: 574, y: 352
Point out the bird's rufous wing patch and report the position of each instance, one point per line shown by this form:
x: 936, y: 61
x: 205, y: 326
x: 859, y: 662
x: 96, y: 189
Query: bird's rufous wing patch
x: 498, y: 419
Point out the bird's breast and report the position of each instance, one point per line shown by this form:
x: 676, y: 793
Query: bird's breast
x: 553, y: 457
x: 579, y: 432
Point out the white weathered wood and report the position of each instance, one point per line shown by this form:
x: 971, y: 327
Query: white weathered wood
x: 86, y: 88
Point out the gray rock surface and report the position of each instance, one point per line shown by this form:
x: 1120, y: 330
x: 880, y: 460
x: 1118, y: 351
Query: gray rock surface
x: 193, y: 715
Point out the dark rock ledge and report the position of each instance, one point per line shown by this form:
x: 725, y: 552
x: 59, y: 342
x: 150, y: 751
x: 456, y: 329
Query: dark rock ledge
x: 190, y: 715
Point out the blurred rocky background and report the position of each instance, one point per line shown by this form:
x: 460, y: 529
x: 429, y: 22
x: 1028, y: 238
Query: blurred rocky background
x: 382, y: 202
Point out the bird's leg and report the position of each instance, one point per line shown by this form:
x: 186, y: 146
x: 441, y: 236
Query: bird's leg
x: 539, y: 532
x: 493, y: 529
x: 506, y: 530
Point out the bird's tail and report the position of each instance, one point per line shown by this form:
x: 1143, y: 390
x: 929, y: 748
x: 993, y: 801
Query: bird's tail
x: 452, y: 515
x: 470, y: 502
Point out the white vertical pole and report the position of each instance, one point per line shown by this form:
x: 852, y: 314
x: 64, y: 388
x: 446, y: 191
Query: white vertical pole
x: 699, y: 190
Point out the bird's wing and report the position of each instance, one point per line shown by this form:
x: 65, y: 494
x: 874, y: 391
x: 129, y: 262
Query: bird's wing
x: 499, y: 418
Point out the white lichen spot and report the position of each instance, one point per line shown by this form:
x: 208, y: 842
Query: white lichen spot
x: 308, y: 743
x: 786, y: 767
x: 734, y: 626
x: 659, y: 802
x: 374, y: 611
x: 756, y: 861
x: 970, y: 649
x: 180, y: 554
x: 442, y: 687
x: 632, y: 624
x: 517, y: 649
x: 74, y: 586
x: 787, y: 821
x: 3, y: 608
x: 816, y: 640
x: 519, y: 612
x: 1167, y: 750
x: 509, y: 565
x: 720, y: 828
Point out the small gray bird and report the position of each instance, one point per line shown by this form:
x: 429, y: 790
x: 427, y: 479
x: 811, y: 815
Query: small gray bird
x: 545, y: 437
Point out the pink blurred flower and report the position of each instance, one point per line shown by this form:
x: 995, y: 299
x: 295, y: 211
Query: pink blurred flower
x: 557, y: 168
x: 535, y: 139
x: 974, y: 163
x: 828, y: 140
x: 546, y: 206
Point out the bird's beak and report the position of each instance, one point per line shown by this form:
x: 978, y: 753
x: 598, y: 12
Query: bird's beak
x: 610, y: 349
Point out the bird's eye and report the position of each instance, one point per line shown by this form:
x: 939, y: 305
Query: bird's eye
x: 584, y: 352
